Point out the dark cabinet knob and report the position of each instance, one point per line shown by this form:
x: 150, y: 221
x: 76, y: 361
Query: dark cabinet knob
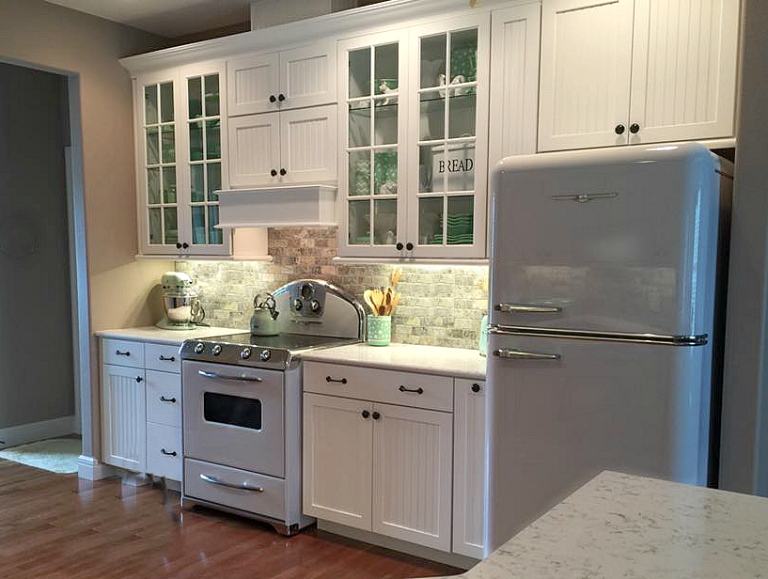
x: 185, y: 245
x: 178, y: 246
x: 281, y: 97
x: 272, y: 98
x: 376, y: 415
x: 634, y: 128
x: 620, y: 129
x: 399, y: 246
x: 475, y: 387
x: 366, y: 414
x: 409, y: 246
x: 273, y: 172
x: 283, y: 171
x: 139, y: 379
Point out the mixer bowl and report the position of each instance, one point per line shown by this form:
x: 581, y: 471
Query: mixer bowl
x: 178, y: 309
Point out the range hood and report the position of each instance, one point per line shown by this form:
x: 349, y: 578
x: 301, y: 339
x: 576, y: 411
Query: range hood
x: 285, y: 206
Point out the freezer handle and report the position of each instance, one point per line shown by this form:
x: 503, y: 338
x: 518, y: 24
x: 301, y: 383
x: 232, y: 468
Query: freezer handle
x: 521, y: 355
x: 526, y: 309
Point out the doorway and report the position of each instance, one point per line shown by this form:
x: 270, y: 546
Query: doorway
x: 39, y: 390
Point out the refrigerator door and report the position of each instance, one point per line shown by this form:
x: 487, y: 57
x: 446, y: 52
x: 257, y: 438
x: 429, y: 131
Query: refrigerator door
x: 562, y: 410
x: 608, y: 240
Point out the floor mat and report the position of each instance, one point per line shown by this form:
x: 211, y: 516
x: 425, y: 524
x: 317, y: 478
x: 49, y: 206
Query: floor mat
x: 55, y: 454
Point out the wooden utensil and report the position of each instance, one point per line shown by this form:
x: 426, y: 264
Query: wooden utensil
x: 368, y: 296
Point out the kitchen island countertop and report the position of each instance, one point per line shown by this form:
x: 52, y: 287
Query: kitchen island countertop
x: 627, y: 526
x: 168, y: 337
x: 458, y: 362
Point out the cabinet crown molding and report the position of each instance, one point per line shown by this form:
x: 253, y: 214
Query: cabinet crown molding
x: 385, y: 15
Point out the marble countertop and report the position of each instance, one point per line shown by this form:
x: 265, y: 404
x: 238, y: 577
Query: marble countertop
x: 626, y: 526
x: 457, y: 362
x: 169, y: 337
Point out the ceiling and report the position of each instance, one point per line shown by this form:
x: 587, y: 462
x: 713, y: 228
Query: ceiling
x: 169, y: 18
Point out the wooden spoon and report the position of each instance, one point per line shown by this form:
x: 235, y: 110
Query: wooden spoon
x: 388, y: 302
x: 368, y: 296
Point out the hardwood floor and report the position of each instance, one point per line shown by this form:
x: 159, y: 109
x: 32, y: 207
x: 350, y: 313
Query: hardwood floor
x: 60, y: 527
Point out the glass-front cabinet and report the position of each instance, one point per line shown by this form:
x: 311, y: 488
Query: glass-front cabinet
x: 181, y: 152
x: 414, y: 166
x: 372, y: 131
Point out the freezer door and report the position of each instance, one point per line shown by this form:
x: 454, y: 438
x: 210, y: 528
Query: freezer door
x: 561, y: 411
x: 616, y: 241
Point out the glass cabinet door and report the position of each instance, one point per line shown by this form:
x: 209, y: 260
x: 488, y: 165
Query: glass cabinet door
x: 372, y: 173
x: 448, y: 133
x: 158, y: 175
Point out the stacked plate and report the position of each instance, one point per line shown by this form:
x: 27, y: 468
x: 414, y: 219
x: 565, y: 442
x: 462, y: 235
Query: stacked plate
x: 459, y: 230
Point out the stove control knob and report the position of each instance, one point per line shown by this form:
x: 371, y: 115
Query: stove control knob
x: 245, y: 354
x: 199, y: 347
x: 216, y: 350
x: 314, y: 305
x: 265, y: 355
x: 297, y: 305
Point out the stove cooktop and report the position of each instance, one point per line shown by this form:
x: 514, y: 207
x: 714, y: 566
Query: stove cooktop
x: 243, y: 349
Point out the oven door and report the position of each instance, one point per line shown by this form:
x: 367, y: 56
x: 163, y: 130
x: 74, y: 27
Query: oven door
x: 234, y: 416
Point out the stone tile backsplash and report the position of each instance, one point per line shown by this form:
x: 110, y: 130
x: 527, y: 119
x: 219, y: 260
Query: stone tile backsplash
x: 441, y: 305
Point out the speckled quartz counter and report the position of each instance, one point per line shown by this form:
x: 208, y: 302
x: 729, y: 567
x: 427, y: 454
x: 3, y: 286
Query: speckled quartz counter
x: 169, y: 337
x: 456, y: 362
x: 624, y: 526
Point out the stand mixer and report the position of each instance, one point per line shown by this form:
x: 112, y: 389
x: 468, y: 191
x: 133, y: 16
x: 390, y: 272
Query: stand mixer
x: 181, y: 303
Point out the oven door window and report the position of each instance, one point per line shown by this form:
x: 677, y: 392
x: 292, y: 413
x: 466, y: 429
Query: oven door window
x: 232, y: 410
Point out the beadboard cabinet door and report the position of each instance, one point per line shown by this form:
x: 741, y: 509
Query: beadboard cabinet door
x: 468, y: 467
x: 684, y: 70
x: 253, y: 84
x: 412, y: 470
x: 254, y: 148
x: 337, y: 442
x: 515, y: 38
x: 586, y: 65
x: 308, y: 76
x: 124, y: 418
x: 308, y: 145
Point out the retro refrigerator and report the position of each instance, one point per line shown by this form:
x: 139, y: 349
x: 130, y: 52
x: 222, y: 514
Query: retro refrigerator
x: 603, y: 294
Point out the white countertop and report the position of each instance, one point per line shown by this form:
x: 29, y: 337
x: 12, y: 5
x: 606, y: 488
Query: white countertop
x: 170, y: 337
x: 457, y: 362
x: 625, y: 526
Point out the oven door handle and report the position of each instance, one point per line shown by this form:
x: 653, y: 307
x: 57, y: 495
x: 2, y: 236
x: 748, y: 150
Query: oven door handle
x: 244, y: 486
x: 235, y: 378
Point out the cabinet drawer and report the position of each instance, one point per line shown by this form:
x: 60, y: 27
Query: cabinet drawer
x: 164, y: 398
x: 270, y: 501
x: 391, y: 387
x: 164, y: 451
x: 122, y: 353
x: 162, y: 357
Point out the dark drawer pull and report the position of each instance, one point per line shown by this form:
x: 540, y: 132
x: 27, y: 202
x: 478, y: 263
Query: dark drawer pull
x: 418, y: 390
x: 164, y: 359
x: 171, y: 400
x: 166, y: 453
x: 119, y: 353
x: 337, y: 380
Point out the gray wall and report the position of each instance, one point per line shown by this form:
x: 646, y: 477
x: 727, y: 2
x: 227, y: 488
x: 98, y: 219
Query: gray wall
x: 34, y: 287
x: 744, y: 448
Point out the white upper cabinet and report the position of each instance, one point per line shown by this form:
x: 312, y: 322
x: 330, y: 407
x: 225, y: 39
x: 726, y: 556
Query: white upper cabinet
x: 181, y: 153
x: 515, y: 37
x: 684, y: 70
x: 616, y: 72
x: 586, y: 64
x: 308, y: 145
x: 254, y: 142
x: 300, y: 77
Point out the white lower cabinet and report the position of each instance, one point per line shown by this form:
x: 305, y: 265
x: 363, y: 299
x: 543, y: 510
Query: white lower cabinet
x: 468, y: 467
x: 337, y: 460
x: 412, y: 471
x: 123, y: 399
x: 141, y: 407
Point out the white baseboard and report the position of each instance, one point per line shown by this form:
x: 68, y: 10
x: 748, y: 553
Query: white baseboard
x: 24, y: 433
x: 91, y: 469
x: 451, y: 559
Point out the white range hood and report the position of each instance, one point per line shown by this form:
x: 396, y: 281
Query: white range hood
x: 286, y: 206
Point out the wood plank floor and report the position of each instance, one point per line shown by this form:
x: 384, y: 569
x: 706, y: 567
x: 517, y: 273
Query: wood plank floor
x: 60, y: 527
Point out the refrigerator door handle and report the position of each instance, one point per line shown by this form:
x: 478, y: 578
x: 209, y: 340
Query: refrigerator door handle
x: 521, y: 355
x: 526, y: 309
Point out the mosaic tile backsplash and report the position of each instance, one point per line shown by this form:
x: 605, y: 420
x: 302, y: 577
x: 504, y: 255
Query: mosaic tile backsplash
x: 441, y: 305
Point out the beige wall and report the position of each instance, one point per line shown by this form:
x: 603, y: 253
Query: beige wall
x: 49, y: 36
